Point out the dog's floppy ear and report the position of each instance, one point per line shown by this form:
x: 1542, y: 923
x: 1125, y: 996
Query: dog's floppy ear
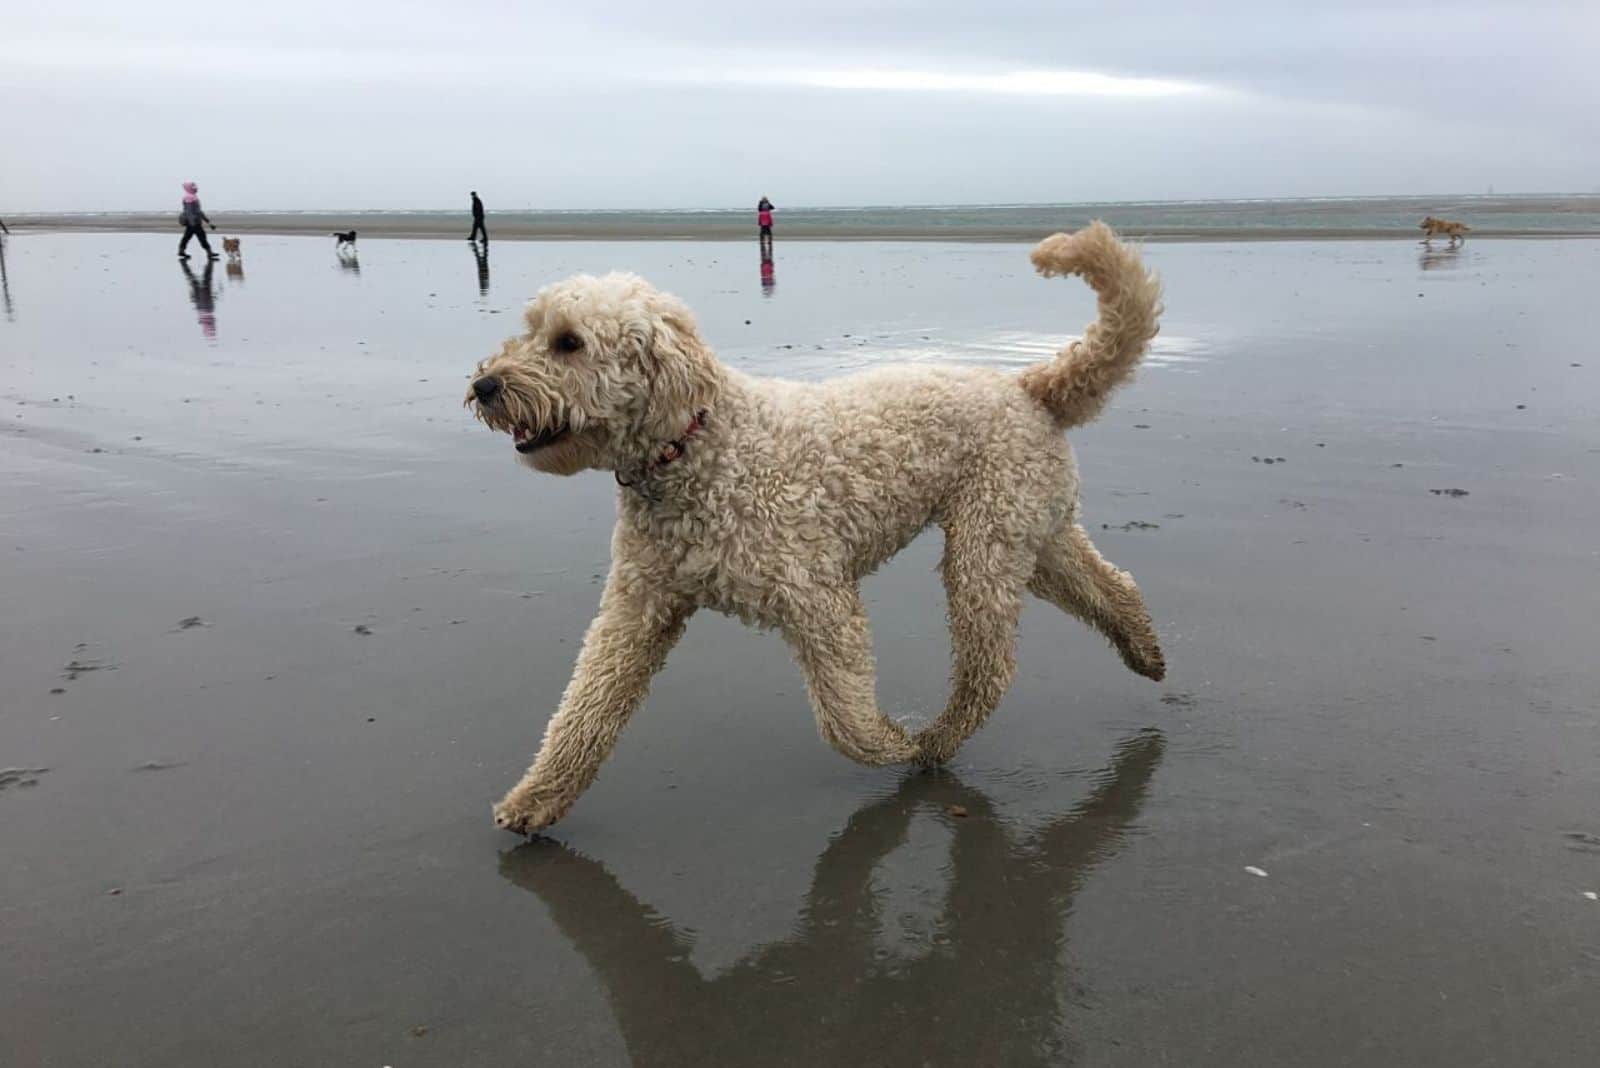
x: 683, y: 373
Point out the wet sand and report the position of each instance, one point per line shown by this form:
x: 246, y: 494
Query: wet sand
x: 280, y: 621
x: 1346, y: 219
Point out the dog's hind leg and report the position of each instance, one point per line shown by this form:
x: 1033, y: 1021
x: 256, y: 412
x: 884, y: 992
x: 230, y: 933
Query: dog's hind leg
x: 625, y: 646
x: 983, y: 581
x: 833, y: 644
x: 1072, y: 575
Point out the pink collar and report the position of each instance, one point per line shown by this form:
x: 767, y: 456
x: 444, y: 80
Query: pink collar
x: 672, y: 450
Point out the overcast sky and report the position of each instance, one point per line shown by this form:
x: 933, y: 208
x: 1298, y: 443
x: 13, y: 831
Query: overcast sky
x: 109, y: 104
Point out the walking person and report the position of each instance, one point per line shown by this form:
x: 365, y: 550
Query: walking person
x: 192, y: 217
x: 764, y: 221
x: 477, y: 220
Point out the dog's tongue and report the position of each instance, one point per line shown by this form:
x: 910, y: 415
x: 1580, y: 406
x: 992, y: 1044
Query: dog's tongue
x: 520, y: 434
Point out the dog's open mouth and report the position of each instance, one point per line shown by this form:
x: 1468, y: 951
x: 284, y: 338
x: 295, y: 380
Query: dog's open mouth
x: 527, y: 441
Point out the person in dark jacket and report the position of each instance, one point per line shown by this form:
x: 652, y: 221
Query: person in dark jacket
x: 192, y: 217
x: 477, y: 220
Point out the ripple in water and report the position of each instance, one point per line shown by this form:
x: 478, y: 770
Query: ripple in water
x: 1008, y: 350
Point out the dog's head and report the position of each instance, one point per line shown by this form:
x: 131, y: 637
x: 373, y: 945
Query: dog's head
x: 607, y: 370
x: 1427, y: 223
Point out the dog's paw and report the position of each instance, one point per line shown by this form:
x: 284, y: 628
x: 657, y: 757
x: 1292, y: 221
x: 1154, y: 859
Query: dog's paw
x: 1146, y: 660
x: 526, y: 816
x: 934, y: 747
x: 1140, y: 649
x: 1151, y: 664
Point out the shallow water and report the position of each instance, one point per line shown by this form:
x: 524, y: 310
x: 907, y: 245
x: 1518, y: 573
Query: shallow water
x: 245, y: 832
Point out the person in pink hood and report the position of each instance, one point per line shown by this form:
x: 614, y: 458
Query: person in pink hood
x: 192, y: 217
x: 764, y: 222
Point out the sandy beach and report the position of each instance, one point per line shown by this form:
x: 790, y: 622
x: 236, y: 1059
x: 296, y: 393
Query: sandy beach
x: 281, y: 621
x: 1343, y: 219
x: 512, y: 228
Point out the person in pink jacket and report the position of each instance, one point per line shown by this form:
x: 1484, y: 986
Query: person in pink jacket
x: 194, y: 220
x: 764, y: 220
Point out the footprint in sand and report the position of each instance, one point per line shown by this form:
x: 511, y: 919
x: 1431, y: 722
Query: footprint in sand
x: 20, y: 777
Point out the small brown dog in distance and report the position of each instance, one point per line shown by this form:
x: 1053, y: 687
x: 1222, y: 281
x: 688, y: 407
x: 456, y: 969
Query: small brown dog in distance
x: 1433, y: 227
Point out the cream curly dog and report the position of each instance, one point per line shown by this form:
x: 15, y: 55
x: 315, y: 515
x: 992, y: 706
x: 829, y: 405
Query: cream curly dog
x: 769, y: 500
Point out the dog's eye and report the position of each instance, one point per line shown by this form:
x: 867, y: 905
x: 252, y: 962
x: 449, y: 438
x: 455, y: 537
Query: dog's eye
x: 568, y: 342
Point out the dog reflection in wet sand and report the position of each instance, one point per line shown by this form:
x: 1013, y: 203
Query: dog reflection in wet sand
x: 985, y: 990
x: 769, y: 501
x: 1433, y: 259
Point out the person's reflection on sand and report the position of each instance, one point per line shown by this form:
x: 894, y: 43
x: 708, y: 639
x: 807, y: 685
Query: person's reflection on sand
x: 1433, y: 259
x: 203, y: 294
x: 481, y: 254
x: 986, y: 990
x: 769, y: 278
x: 5, y: 286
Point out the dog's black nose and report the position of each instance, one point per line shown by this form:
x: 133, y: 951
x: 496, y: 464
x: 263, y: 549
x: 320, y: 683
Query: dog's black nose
x: 485, y: 386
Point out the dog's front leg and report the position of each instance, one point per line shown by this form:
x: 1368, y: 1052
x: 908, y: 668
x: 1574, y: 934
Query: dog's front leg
x: 626, y: 644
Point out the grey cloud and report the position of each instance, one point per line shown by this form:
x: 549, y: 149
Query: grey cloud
x: 641, y: 104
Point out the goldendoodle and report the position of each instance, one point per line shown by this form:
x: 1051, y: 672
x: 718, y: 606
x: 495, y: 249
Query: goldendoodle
x: 769, y: 500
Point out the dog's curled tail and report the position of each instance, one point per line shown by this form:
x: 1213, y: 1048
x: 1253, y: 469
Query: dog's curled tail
x: 1077, y: 383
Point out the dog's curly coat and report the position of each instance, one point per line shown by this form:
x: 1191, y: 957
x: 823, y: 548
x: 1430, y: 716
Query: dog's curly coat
x: 769, y: 500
